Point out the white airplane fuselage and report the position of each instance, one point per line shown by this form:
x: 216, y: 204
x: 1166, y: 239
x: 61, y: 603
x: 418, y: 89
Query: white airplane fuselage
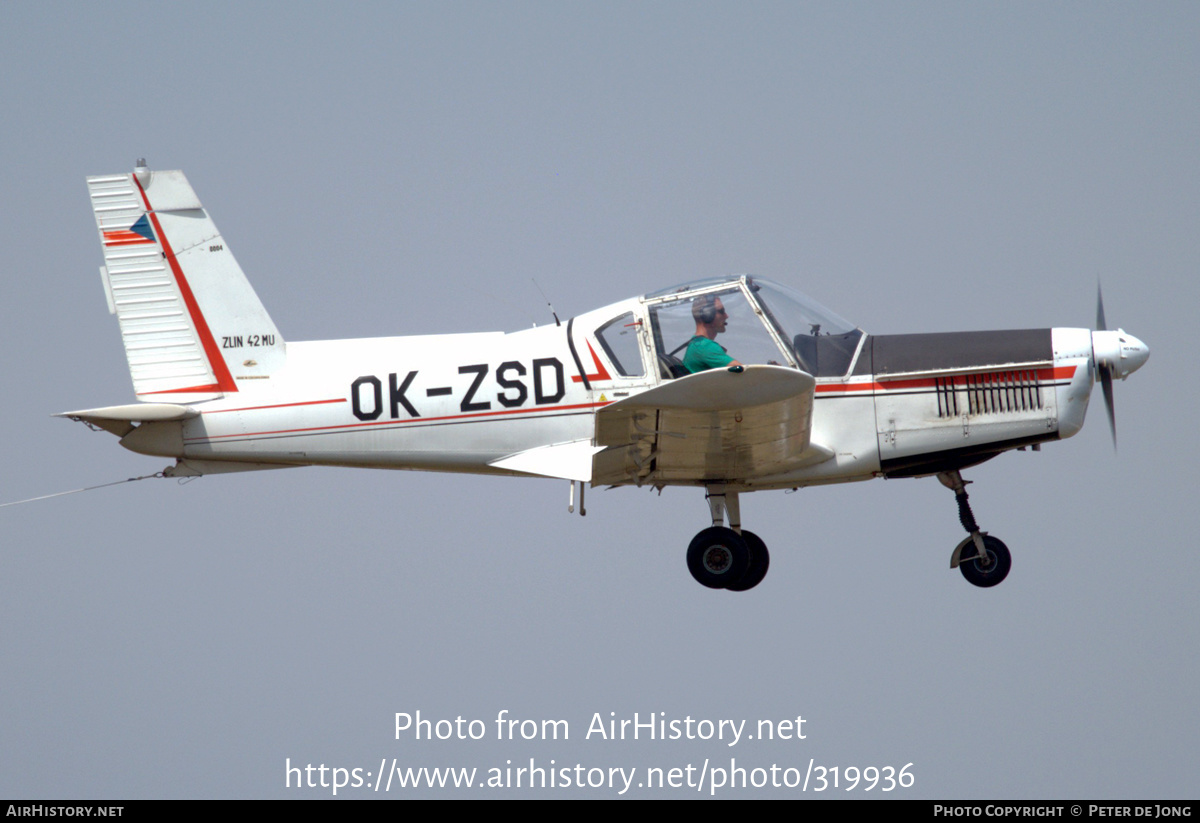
x: 732, y: 383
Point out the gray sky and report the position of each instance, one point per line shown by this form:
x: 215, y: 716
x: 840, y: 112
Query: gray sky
x: 387, y: 169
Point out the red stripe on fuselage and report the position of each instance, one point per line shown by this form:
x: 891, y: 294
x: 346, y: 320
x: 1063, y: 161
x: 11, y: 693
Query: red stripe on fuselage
x: 1055, y: 373
x: 411, y: 420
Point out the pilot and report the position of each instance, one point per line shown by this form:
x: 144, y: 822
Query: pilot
x: 703, y: 351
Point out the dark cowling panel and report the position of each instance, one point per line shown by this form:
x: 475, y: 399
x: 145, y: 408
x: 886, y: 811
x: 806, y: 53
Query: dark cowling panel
x: 900, y: 353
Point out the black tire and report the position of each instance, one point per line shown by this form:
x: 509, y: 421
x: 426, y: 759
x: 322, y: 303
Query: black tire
x: 992, y: 573
x: 760, y: 561
x: 717, y: 557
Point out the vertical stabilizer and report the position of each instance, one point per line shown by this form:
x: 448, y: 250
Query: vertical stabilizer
x: 192, y: 326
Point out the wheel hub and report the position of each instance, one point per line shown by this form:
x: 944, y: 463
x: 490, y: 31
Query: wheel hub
x: 717, y: 559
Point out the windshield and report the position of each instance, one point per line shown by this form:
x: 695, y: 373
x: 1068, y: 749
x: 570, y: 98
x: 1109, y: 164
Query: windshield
x: 824, y: 343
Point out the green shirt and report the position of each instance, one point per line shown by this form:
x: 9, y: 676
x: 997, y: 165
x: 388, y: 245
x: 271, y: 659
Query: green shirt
x: 703, y: 354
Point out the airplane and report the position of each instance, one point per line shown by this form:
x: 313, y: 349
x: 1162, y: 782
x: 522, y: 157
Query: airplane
x: 802, y: 397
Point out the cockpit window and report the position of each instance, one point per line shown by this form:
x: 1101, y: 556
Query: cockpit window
x: 759, y: 311
x: 619, y: 339
x: 740, y: 333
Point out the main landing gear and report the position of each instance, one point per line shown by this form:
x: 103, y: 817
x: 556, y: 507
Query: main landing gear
x: 727, y: 558
x: 984, y: 560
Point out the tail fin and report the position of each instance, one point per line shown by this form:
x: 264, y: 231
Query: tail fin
x: 192, y: 325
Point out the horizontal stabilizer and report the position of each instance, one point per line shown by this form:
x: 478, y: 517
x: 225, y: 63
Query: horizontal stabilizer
x: 120, y: 419
x: 570, y: 461
x: 187, y: 467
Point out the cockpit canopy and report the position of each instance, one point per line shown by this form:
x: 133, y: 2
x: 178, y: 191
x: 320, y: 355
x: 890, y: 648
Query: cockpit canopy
x: 763, y: 322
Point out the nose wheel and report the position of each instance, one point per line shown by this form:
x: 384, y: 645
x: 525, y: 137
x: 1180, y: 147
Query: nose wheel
x: 983, y: 560
x: 985, y: 572
x: 727, y: 558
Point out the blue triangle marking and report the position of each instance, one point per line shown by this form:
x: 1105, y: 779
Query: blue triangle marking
x: 142, y: 227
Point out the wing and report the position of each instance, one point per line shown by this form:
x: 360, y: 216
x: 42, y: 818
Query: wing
x: 715, y: 426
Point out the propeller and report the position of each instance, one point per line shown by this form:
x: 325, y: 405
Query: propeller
x: 1115, y: 354
x: 1103, y: 370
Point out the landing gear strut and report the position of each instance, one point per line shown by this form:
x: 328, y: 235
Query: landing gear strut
x: 983, y: 560
x: 727, y: 558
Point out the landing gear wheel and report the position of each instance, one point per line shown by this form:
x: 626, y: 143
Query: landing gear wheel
x: 760, y: 561
x: 989, y: 573
x: 717, y: 557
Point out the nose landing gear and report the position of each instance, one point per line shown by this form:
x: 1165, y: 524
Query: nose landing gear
x: 983, y: 560
x: 727, y: 558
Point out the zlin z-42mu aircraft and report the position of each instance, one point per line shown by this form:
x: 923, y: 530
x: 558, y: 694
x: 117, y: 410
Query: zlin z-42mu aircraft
x: 731, y: 384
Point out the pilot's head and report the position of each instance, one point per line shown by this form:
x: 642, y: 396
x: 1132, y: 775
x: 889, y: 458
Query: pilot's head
x: 709, y: 312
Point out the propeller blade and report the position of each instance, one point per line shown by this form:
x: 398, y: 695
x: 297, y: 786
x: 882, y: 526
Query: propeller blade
x: 1106, y: 383
x: 1100, y: 324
